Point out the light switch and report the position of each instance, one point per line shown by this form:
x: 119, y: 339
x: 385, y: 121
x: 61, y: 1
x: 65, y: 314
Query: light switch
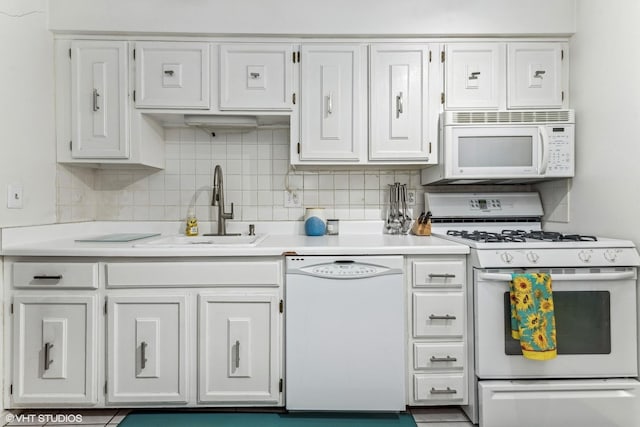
x: 14, y: 196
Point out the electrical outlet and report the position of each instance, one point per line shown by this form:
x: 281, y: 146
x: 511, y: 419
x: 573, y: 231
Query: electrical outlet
x: 292, y: 200
x: 411, y: 197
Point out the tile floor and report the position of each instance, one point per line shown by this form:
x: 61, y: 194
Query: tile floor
x: 424, y: 417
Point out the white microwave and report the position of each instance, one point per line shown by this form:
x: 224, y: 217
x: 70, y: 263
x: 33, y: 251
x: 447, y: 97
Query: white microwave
x: 503, y: 147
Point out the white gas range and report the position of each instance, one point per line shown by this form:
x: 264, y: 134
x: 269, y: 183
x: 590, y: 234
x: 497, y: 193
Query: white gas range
x: 593, y: 380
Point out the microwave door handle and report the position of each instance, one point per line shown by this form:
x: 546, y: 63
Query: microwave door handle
x: 544, y: 143
x: 623, y: 275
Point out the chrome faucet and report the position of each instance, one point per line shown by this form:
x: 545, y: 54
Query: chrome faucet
x: 218, y: 200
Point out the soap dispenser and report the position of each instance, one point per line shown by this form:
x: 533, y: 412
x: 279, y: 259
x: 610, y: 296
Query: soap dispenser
x: 192, y: 224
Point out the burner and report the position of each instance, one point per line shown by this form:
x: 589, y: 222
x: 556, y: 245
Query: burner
x: 519, y: 236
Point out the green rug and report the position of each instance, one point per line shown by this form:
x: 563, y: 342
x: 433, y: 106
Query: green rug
x: 239, y: 419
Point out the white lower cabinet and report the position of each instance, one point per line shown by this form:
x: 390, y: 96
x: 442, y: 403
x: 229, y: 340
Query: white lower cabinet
x: 175, y: 333
x: 146, y: 341
x: 438, y: 359
x: 54, y: 350
x: 238, y: 347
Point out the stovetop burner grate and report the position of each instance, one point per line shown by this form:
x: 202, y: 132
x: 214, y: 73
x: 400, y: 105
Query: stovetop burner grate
x: 508, y: 236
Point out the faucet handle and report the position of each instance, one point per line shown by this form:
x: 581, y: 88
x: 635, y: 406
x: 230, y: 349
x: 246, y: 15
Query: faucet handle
x: 231, y: 213
x: 252, y: 230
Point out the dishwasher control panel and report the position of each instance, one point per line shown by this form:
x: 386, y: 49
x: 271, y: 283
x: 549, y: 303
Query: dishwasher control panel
x: 340, y: 269
x: 344, y: 267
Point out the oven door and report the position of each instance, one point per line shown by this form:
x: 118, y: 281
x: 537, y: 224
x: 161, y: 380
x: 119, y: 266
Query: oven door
x: 595, y: 311
x: 495, y: 151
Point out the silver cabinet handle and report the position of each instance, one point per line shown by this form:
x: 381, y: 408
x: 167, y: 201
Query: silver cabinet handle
x: 443, y: 359
x: 143, y: 355
x: 47, y: 277
x: 237, y: 354
x: 399, y: 104
x: 448, y: 390
x: 474, y: 75
x: 442, y: 275
x: 445, y: 317
x: 96, y: 107
x: 330, y: 103
x: 169, y: 72
x: 47, y: 353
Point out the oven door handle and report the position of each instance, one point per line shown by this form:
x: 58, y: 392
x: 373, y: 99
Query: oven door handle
x: 622, y: 275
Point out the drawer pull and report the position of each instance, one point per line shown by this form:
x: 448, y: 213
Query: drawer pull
x: 441, y: 276
x: 47, y: 353
x: 46, y: 277
x: 143, y: 355
x: 169, y: 72
x: 443, y: 359
x: 445, y: 317
x: 448, y: 390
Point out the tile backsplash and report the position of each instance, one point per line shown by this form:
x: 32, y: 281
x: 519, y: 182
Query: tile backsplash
x: 256, y: 174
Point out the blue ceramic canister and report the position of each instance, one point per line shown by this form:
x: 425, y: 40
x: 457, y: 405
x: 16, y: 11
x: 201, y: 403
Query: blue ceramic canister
x: 315, y: 222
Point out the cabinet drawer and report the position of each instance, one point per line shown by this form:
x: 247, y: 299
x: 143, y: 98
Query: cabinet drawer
x: 438, y: 273
x: 75, y: 275
x: 438, y: 355
x: 439, y: 388
x: 223, y: 273
x: 438, y: 314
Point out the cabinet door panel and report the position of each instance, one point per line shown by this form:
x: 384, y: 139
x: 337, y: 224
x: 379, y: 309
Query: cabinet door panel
x: 256, y: 76
x: 172, y: 75
x: 475, y: 75
x: 331, y: 103
x: 535, y: 75
x: 54, y: 350
x: 99, y: 100
x: 238, y: 348
x: 146, y: 342
x: 399, y: 102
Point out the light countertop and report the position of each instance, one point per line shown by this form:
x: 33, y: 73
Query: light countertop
x: 356, y: 238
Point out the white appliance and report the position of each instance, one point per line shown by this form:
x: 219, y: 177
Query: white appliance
x: 593, y: 380
x: 345, y: 333
x: 503, y: 146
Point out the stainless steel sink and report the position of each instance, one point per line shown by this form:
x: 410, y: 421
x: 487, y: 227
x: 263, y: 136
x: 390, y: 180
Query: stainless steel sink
x: 204, y: 241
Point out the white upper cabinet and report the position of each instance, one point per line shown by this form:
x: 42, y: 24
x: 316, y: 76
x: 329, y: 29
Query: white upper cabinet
x: 474, y: 75
x: 172, y: 75
x: 399, y: 105
x: 536, y: 75
x: 499, y: 76
x: 99, y: 100
x: 256, y: 76
x: 333, y: 103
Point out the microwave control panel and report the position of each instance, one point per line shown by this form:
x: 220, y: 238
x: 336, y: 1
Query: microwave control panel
x: 560, y: 150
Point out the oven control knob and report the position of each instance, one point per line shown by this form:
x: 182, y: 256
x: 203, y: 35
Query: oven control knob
x: 533, y: 257
x: 610, y: 255
x: 584, y: 256
x: 506, y: 257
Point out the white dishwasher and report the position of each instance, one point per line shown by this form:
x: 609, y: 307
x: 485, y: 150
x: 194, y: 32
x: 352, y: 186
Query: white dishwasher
x: 345, y: 333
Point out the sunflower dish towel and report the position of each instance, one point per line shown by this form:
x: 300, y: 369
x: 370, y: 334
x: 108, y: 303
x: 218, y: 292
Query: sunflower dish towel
x: 532, y: 319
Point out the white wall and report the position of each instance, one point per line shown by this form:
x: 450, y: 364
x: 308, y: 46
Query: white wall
x: 327, y: 17
x: 27, y: 145
x: 605, y: 91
